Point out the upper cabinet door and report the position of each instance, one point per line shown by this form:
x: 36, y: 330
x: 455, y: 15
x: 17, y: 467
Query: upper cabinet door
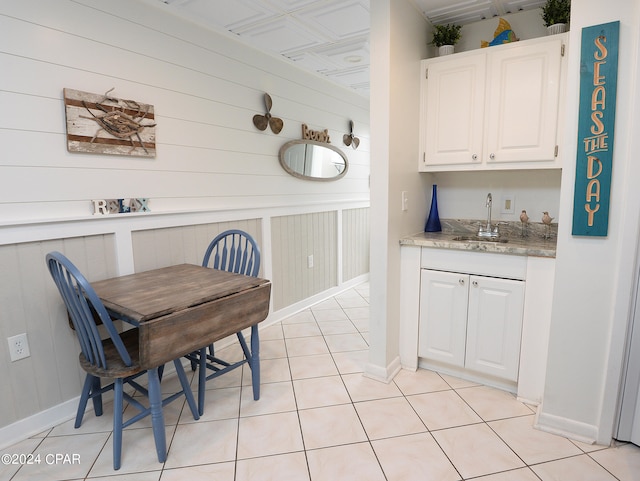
x: 523, y: 95
x: 452, y: 111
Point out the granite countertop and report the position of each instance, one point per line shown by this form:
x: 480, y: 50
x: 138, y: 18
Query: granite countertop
x: 537, y: 242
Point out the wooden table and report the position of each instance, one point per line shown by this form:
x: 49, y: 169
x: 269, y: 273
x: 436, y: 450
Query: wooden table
x: 179, y: 309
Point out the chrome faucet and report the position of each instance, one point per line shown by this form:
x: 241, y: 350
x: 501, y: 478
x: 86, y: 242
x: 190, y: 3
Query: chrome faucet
x: 488, y: 230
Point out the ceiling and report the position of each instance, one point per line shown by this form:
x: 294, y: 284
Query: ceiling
x: 330, y: 37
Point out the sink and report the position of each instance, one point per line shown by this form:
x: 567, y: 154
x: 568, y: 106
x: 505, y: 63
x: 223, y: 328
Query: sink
x: 472, y: 238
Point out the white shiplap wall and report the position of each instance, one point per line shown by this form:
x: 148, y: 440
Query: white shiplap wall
x: 212, y: 166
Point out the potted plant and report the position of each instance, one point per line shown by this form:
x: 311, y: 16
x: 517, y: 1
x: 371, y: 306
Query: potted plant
x: 445, y: 37
x: 555, y: 15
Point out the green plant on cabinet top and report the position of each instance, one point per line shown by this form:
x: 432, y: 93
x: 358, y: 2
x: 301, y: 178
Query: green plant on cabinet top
x: 556, y: 11
x: 448, y: 34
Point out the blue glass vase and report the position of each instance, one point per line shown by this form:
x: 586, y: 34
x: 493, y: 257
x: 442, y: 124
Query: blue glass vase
x: 433, y: 221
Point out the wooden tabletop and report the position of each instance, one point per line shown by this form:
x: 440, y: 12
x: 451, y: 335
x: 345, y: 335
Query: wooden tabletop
x: 151, y: 294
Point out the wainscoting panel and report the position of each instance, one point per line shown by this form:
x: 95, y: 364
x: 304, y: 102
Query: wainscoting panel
x: 163, y: 247
x: 31, y: 304
x: 355, y: 243
x: 294, y: 238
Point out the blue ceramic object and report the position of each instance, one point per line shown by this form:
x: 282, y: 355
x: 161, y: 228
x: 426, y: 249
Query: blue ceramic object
x: 433, y: 221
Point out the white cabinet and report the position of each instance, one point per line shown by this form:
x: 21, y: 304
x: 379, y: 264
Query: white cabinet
x: 471, y: 322
x: 493, y: 108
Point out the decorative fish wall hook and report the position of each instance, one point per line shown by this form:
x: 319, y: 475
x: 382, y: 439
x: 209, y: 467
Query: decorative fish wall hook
x: 261, y: 121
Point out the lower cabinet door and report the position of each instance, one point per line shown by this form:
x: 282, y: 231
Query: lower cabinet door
x: 494, y: 326
x: 443, y: 316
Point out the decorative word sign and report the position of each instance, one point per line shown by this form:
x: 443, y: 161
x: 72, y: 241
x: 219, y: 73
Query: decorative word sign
x: 596, y: 126
x: 317, y: 135
x: 102, y: 124
x: 120, y: 206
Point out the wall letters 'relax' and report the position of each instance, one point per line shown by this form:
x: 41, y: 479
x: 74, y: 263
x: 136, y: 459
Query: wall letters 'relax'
x: 596, y: 126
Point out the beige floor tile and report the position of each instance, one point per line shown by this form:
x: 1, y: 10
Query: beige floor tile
x: 302, y: 316
x: 443, y: 409
x: 588, y: 448
x: 331, y: 426
x: 269, y: 434
x: 353, y: 462
x: 385, y: 418
x: 217, y: 472
x: 271, y: 370
x: 358, y: 313
x: 476, y: 450
x: 306, y: 346
x: 351, y: 362
x: 271, y: 333
x: 337, y: 327
x: 216, y: 443
x: 301, y: 329
x: 319, y: 392
x: 414, y: 458
x: 138, y: 453
x: 275, y: 397
x: 456, y: 382
x: 350, y: 302
x: 319, y: 365
x: 272, y: 349
x: 345, y: 342
x: 420, y: 381
x: 336, y: 314
x: 492, y: 404
x: 330, y: 303
x: 82, y: 451
x: 146, y: 476
x: 283, y: 467
x: 521, y: 474
x: 532, y: 445
x: 362, y: 325
x: 622, y: 461
x: 219, y: 404
x: 577, y: 468
x: 362, y: 388
x: 26, y: 447
x: 229, y: 379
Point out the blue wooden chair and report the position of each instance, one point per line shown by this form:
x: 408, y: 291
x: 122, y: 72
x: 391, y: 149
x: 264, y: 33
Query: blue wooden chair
x: 232, y: 251
x: 114, y: 357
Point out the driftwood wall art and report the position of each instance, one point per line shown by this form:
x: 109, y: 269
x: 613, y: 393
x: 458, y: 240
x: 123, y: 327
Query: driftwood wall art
x: 103, y: 124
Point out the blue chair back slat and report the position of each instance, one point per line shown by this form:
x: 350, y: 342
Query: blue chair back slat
x: 83, y: 304
x: 234, y: 251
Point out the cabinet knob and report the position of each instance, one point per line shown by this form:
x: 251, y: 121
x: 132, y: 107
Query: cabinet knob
x: 475, y: 283
x: 474, y: 157
x: 492, y: 156
x: 461, y: 282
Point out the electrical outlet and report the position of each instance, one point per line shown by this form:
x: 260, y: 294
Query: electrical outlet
x: 508, y: 205
x: 18, y: 347
x: 310, y: 261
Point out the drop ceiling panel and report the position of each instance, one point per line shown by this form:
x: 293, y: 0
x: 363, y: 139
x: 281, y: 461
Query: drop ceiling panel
x: 329, y: 37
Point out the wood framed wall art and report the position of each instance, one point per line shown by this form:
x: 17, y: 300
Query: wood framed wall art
x: 103, y: 124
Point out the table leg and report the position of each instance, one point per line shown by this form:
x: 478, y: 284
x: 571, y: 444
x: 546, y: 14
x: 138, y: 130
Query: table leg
x: 255, y: 362
x: 157, y: 417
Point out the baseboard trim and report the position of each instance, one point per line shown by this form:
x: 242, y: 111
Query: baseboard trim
x: 37, y: 423
x: 568, y: 428
x: 383, y: 374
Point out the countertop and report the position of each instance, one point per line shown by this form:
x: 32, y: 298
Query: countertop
x: 538, y: 241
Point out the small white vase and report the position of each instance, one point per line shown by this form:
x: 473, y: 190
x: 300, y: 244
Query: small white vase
x: 445, y: 50
x: 556, y: 28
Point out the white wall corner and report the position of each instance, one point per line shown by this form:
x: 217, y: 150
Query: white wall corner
x: 381, y: 373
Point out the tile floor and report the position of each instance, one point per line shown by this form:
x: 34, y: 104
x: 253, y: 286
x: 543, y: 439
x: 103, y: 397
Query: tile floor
x: 319, y: 419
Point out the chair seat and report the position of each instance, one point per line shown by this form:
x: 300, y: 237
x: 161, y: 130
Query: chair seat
x: 115, y: 367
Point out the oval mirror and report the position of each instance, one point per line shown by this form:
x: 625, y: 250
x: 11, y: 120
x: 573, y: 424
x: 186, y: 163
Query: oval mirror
x: 311, y: 160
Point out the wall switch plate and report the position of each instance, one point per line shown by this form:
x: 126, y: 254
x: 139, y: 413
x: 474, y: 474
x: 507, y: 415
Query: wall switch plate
x: 508, y: 205
x: 18, y: 347
x: 405, y: 200
x: 310, y: 261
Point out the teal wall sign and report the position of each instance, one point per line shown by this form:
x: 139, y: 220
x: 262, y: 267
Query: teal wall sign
x: 596, y: 126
